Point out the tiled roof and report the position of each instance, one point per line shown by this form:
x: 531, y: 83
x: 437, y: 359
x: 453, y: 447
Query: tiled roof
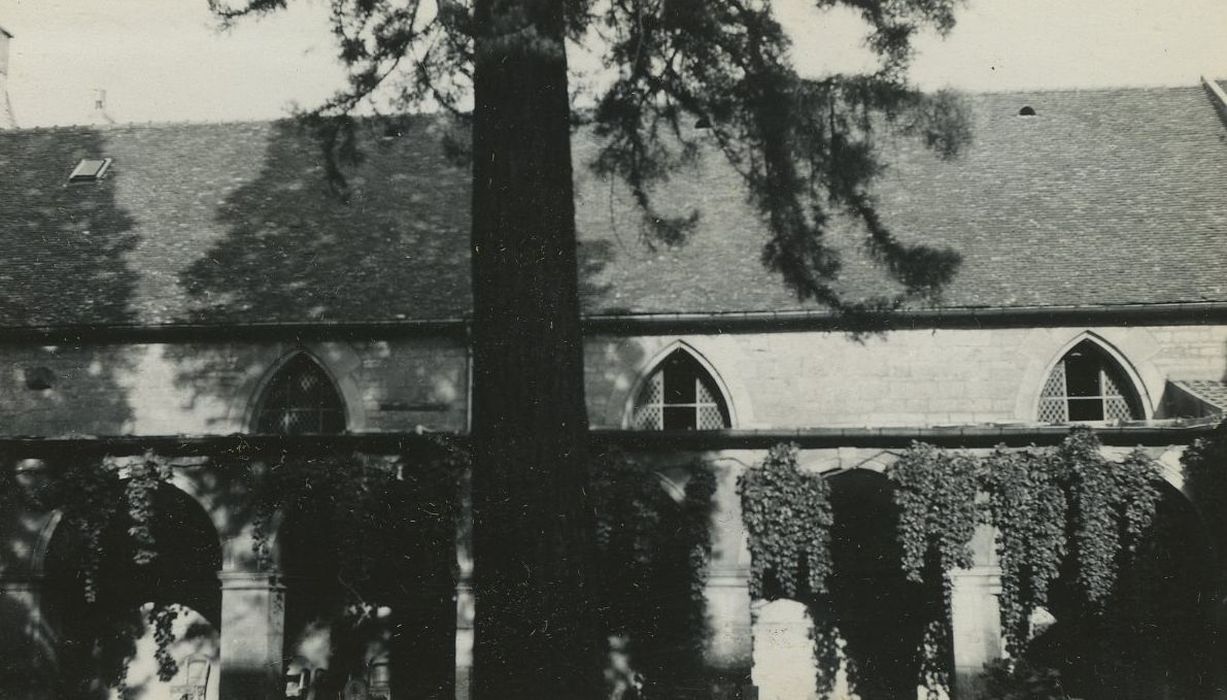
x: 1105, y: 198
x: 1210, y: 392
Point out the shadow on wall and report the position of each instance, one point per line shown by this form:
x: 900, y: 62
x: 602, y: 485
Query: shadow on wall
x: 612, y: 367
x: 654, y: 539
x: 295, y: 250
x: 64, y: 248
x: 393, y: 246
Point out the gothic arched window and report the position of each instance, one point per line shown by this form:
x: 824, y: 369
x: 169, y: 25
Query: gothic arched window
x: 300, y: 399
x: 679, y: 395
x: 1088, y: 384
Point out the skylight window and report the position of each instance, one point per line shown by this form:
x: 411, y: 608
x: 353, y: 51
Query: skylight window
x: 90, y: 170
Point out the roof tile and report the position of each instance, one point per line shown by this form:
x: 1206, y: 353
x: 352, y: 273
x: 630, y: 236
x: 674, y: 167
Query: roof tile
x: 1105, y: 197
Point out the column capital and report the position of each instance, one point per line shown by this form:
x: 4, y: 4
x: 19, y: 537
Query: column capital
x: 989, y: 575
x: 251, y: 580
x: 20, y: 582
x: 728, y: 577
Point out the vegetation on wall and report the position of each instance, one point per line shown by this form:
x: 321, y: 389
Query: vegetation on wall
x: 364, y: 535
x: 787, y: 516
x: 653, y: 544
x: 1027, y: 504
x: 1205, y: 466
x: 936, y: 492
x: 380, y: 532
x: 1055, y: 510
x: 1110, y: 504
x: 97, y: 499
x: 372, y: 516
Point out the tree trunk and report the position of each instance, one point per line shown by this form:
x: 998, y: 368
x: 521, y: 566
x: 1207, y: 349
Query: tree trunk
x: 532, y: 524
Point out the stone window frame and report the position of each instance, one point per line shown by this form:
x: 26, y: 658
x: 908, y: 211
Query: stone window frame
x: 1118, y: 392
x: 648, y: 404
x: 288, y: 364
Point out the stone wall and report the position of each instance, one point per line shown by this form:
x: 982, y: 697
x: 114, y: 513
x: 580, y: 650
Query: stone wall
x: 212, y: 388
x: 903, y: 378
x: 771, y: 380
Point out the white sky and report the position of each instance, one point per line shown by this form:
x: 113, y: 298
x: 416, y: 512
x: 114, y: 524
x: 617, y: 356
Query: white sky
x: 163, y: 60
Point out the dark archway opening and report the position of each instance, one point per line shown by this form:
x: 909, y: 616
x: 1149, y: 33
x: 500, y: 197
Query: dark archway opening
x: 372, y: 609
x: 1154, y: 638
x: 99, y: 640
x: 880, y: 615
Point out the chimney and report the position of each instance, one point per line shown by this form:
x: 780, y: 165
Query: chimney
x: 6, y: 108
x: 98, y: 114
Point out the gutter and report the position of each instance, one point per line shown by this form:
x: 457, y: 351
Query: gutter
x: 1176, y: 313
x: 1217, y: 96
x: 416, y: 444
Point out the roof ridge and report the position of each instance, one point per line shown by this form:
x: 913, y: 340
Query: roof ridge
x: 171, y: 123
x: 121, y: 126
x: 1076, y: 89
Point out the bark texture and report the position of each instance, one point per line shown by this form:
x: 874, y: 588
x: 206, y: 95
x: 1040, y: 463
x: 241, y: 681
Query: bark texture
x: 535, y: 636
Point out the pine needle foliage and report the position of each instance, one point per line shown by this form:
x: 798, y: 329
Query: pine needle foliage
x: 806, y: 148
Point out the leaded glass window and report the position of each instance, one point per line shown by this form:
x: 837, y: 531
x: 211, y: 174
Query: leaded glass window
x: 679, y: 395
x: 301, y: 400
x: 1088, y: 385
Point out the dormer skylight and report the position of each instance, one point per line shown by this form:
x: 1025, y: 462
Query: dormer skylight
x: 90, y: 170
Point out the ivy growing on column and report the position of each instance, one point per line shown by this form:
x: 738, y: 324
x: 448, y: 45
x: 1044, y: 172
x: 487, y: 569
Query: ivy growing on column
x: 787, y: 516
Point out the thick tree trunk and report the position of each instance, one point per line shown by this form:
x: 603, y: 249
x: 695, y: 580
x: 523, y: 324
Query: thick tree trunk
x: 532, y: 523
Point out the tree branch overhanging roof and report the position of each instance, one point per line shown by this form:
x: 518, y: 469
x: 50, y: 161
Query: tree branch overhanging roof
x: 1105, y: 198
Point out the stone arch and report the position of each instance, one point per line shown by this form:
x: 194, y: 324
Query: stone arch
x: 406, y: 627
x: 1131, y: 354
x: 1154, y: 638
x: 871, y: 620
x: 878, y: 612
x: 653, y: 364
x: 338, y: 360
x: 182, y: 575
x: 51, y: 522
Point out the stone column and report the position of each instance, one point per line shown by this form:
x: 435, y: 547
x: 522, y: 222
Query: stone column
x: 466, y: 611
x: 252, y: 635
x: 730, y: 646
x: 976, y: 626
x: 27, y: 643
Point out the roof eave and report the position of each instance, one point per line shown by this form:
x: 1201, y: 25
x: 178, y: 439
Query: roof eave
x: 1155, y: 314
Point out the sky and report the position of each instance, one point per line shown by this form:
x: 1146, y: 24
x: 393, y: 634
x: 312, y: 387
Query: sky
x: 165, y: 60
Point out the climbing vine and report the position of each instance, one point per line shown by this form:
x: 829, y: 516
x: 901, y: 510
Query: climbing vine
x: 1205, y: 467
x: 1111, y: 505
x: 652, y: 544
x: 787, y: 516
x: 365, y: 533
x: 144, y: 477
x: 938, y: 513
x: 1027, y: 505
x: 1066, y: 505
x: 96, y: 498
x: 162, y: 620
x: 936, y: 494
x: 1055, y: 509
